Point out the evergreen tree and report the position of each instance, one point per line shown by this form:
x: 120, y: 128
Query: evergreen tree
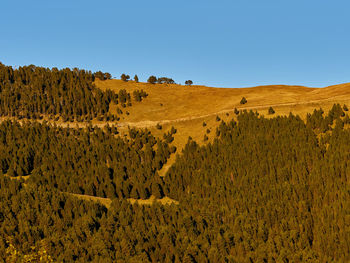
x: 243, y: 100
x: 136, y: 78
x: 271, y: 111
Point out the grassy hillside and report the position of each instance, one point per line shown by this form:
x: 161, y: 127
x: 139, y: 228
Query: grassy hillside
x: 172, y: 102
x: 265, y: 190
x: 188, y: 107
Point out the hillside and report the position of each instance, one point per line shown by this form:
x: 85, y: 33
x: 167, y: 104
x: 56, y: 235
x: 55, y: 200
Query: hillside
x: 172, y: 102
x: 200, y: 182
x: 187, y: 107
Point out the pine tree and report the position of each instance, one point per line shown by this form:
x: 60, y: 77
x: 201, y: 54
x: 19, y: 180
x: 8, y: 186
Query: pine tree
x: 243, y: 100
x: 136, y: 78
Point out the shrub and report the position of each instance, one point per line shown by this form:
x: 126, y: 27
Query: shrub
x: 136, y: 78
x: 168, y: 137
x: 173, y: 149
x: 107, y: 75
x: 123, y: 96
x: 243, y: 100
x: 189, y: 82
x: 271, y: 111
x: 165, y: 80
x: 102, y: 76
x: 124, y: 77
x: 173, y: 130
x: 346, y: 119
x: 138, y: 95
x: 152, y: 80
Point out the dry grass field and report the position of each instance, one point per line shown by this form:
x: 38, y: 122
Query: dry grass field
x: 187, y: 107
x: 177, y: 103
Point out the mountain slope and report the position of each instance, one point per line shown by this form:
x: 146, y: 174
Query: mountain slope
x: 196, y: 111
x: 176, y: 102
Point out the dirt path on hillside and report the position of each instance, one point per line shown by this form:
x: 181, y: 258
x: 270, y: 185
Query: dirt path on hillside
x: 107, y: 201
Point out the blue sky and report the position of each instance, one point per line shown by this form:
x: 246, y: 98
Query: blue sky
x: 216, y: 43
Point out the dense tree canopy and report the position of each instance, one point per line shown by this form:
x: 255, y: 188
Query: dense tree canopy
x: 265, y: 190
x: 31, y: 92
x: 86, y: 161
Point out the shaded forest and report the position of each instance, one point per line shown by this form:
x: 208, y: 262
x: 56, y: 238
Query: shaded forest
x: 88, y: 161
x: 265, y: 190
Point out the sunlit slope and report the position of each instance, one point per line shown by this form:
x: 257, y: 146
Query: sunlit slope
x: 196, y: 111
x: 174, y: 102
x: 170, y: 102
x: 341, y: 91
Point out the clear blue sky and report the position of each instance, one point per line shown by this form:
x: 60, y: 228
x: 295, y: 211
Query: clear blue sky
x: 236, y: 43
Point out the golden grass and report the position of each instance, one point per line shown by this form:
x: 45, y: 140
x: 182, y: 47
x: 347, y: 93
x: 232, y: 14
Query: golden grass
x: 187, y: 107
x: 174, y: 103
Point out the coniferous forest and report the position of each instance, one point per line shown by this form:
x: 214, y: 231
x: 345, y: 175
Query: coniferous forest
x: 264, y: 190
x: 32, y: 92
